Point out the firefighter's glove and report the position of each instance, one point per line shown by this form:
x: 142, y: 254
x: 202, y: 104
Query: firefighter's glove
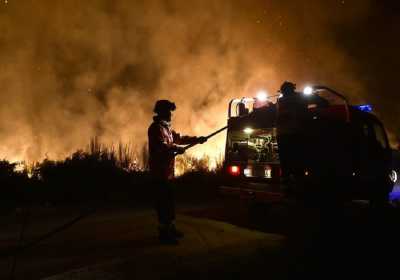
x: 201, y: 139
x: 179, y: 150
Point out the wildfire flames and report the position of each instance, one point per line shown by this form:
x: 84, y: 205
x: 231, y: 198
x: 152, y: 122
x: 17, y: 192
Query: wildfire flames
x: 203, y: 159
x: 74, y: 70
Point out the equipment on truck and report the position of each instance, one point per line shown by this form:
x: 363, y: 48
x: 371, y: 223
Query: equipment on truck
x: 344, y: 150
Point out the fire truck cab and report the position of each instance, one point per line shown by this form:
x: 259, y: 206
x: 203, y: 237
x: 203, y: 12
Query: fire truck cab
x: 346, y: 151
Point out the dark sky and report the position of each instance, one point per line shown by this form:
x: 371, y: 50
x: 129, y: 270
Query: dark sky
x: 71, y: 70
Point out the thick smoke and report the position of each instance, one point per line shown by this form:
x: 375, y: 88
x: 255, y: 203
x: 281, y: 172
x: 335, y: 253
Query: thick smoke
x: 72, y: 70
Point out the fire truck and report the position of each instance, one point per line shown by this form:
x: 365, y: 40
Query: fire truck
x: 345, y: 147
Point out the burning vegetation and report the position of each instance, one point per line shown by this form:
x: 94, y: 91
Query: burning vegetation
x: 99, y: 172
x: 74, y: 70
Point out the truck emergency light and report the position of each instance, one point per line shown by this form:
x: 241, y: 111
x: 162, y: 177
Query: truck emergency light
x: 234, y: 170
x: 308, y: 90
x: 365, y: 108
x: 262, y: 96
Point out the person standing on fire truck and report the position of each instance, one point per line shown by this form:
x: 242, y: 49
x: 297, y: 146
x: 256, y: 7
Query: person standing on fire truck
x: 163, y: 147
x: 291, y: 117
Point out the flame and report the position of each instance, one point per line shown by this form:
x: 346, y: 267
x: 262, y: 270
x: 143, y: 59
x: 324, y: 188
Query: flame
x: 201, y: 158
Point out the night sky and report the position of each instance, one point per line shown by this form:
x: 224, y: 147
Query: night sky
x: 71, y: 70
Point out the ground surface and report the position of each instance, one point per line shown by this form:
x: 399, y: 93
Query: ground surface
x: 285, y: 241
x: 122, y: 244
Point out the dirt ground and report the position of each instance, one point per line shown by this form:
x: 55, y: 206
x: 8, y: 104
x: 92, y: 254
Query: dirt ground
x: 225, y: 239
x: 328, y: 241
x: 122, y: 244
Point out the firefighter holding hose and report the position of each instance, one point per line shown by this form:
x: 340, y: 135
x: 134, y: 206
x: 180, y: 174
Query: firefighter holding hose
x: 164, y: 145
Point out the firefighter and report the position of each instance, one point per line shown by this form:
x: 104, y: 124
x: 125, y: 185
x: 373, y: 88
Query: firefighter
x: 291, y: 116
x: 163, y: 147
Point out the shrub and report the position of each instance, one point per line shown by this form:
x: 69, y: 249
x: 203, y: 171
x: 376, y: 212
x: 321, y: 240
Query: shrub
x: 14, y: 184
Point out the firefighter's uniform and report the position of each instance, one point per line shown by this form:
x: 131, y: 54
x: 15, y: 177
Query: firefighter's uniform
x: 163, y: 147
x: 163, y: 143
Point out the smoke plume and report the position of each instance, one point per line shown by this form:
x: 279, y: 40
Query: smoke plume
x: 72, y: 70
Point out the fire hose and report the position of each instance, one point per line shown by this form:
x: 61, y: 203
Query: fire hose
x: 206, y: 137
x: 22, y: 247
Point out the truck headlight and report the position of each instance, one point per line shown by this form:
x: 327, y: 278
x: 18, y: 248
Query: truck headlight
x: 393, y: 176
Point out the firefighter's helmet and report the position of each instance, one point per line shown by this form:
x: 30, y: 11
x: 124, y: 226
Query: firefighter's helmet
x: 287, y: 88
x: 164, y: 105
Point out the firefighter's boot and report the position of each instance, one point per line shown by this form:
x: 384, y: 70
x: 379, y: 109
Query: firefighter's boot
x: 166, y: 236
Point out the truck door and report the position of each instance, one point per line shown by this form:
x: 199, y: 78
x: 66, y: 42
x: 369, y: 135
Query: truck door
x: 374, y: 147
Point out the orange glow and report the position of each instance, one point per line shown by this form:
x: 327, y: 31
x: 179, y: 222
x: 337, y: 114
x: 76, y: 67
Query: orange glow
x: 66, y: 85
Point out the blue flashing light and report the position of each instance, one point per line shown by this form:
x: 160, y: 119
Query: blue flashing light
x: 365, y: 108
x: 395, y: 194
